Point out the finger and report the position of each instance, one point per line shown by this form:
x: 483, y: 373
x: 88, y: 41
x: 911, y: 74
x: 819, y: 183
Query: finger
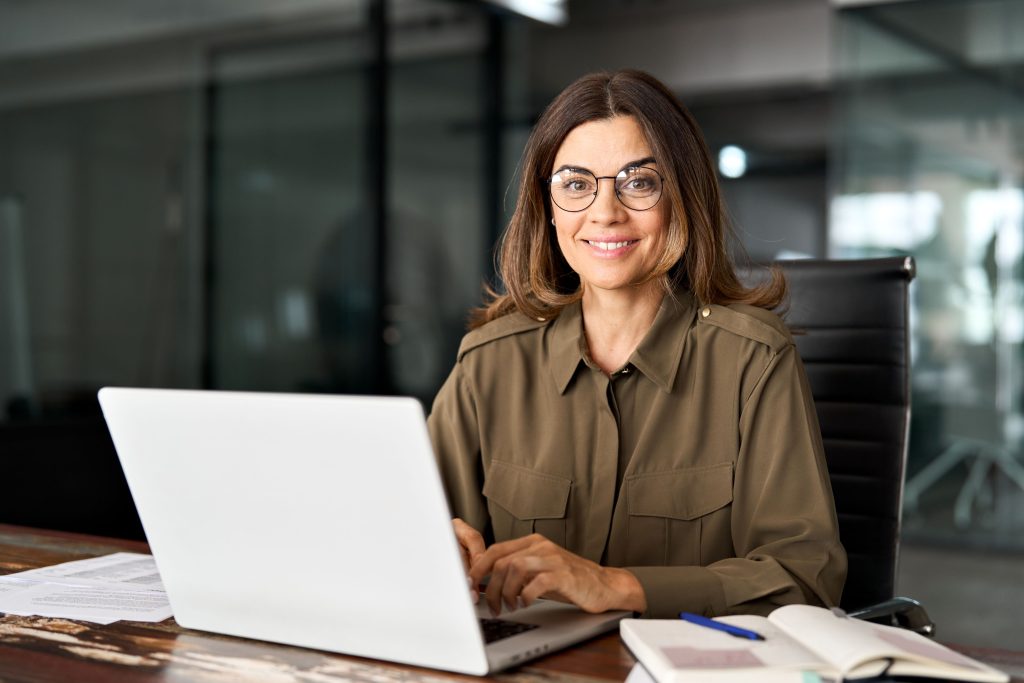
x: 524, y: 567
x: 474, y: 593
x: 470, y: 542
x: 470, y: 539
x: 492, y: 594
x: 484, y: 563
x: 516, y: 570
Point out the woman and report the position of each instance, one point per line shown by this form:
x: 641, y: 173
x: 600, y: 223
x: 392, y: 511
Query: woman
x: 629, y: 427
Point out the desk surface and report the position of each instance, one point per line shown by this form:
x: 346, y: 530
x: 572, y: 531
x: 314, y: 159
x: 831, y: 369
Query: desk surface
x: 37, y: 649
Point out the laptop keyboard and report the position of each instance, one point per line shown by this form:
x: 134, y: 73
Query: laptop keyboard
x: 498, y: 629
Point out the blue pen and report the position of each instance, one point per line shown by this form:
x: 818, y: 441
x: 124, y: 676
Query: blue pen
x: 719, y: 626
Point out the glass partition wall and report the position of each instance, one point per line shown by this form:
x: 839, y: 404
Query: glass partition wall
x: 928, y: 160
x: 295, y: 249
x: 255, y: 196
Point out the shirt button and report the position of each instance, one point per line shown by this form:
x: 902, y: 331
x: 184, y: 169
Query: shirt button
x: 625, y: 370
x: 705, y: 312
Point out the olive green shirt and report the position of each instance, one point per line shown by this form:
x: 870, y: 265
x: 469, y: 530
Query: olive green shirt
x: 698, y: 465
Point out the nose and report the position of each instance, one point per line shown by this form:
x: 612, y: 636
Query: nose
x: 606, y: 207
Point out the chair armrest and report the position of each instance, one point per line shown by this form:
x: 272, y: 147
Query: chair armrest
x: 903, y: 612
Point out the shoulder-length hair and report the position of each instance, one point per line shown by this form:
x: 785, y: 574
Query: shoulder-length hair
x: 539, y: 282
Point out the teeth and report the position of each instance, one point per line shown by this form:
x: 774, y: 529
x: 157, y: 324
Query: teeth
x: 607, y: 246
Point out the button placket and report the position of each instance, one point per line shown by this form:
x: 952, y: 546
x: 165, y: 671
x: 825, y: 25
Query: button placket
x: 604, y: 468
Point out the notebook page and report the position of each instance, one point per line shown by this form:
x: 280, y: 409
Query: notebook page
x: 917, y: 647
x: 849, y: 645
x: 776, y: 650
x: 671, y: 644
x: 861, y: 649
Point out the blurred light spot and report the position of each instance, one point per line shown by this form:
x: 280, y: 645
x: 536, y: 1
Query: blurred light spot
x: 791, y: 255
x: 295, y: 314
x: 732, y: 161
x: 548, y: 11
x: 885, y: 220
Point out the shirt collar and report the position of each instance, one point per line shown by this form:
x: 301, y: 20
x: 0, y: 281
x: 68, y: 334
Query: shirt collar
x: 566, y: 349
x: 657, y: 356
x: 661, y: 350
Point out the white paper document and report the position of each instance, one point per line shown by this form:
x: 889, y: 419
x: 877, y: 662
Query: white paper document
x: 101, y: 590
x: 7, y: 591
x: 132, y: 570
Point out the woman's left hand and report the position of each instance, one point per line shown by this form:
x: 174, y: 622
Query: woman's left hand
x: 531, y: 567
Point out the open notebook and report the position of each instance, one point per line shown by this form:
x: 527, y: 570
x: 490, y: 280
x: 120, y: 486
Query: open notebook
x: 797, y: 638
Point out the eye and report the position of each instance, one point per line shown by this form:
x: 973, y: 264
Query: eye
x: 639, y: 182
x: 573, y: 182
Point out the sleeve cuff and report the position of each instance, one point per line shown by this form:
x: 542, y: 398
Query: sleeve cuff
x: 671, y: 590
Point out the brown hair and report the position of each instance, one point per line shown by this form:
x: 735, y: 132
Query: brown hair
x: 537, y: 278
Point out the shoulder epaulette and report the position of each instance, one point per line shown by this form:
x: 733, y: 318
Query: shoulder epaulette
x: 747, y: 321
x: 505, y: 326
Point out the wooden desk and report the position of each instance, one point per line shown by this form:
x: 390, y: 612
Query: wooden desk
x: 36, y: 649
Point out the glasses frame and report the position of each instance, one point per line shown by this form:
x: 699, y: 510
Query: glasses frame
x: 615, y: 188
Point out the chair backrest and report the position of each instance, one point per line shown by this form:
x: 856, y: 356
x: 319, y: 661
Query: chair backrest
x: 852, y: 334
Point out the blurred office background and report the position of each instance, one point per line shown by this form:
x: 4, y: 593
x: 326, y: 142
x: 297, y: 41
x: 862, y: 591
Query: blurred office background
x: 304, y: 196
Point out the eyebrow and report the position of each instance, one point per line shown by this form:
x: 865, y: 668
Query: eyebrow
x: 631, y: 164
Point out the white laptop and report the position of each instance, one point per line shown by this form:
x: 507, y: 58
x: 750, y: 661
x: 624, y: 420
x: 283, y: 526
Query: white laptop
x: 317, y: 521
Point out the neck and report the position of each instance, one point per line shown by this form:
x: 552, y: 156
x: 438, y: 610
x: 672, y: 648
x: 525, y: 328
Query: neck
x: 616, y: 321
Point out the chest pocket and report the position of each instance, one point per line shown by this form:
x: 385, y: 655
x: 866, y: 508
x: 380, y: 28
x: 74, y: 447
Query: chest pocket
x: 680, y: 517
x: 522, y: 501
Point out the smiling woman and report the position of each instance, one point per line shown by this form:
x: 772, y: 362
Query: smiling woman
x: 607, y: 243
x: 665, y: 138
x: 629, y: 427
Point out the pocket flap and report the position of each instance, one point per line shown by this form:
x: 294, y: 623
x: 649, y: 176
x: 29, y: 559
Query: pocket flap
x: 680, y: 494
x: 525, y: 493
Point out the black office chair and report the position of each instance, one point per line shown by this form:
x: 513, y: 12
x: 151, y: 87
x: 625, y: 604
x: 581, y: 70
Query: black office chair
x: 850, y: 324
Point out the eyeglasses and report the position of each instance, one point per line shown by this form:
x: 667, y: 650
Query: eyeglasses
x: 575, y: 189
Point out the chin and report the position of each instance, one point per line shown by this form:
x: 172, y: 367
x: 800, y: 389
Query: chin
x: 610, y: 284
x: 620, y: 283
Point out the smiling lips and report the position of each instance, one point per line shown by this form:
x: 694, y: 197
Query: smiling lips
x: 611, y: 247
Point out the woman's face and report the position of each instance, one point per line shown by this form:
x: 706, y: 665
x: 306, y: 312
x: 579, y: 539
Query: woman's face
x: 607, y: 244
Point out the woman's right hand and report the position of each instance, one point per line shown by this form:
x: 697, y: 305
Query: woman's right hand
x: 471, y: 546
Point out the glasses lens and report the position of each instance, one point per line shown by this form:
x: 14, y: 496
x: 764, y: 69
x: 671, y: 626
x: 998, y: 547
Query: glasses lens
x: 573, y: 189
x: 638, y: 188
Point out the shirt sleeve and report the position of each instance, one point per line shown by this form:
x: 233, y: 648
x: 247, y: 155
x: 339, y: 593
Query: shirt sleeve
x: 455, y: 436
x: 784, y: 528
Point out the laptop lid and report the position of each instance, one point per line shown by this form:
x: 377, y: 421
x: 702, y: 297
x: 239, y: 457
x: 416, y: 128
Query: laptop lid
x: 317, y: 521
